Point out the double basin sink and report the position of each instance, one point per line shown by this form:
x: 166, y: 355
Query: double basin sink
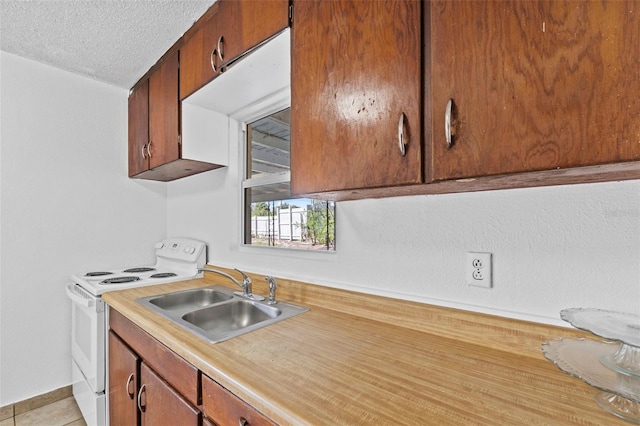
x: 216, y: 314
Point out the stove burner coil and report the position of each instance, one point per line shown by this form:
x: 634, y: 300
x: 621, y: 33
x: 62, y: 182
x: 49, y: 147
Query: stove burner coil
x: 97, y: 274
x: 163, y: 275
x: 120, y: 280
x: 138, y: 270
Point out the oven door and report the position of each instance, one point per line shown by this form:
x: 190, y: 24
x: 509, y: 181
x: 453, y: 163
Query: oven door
x: 88, y: 336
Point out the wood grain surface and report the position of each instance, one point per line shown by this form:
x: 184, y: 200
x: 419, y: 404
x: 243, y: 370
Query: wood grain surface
x: 413, y: 364
x: 355, y: 69
x: 536, y: 85
x: 164, y: 114
x: 138, y: 128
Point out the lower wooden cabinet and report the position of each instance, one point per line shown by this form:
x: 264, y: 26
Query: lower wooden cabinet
x: 224, y: 408
x: 123, y: 382
x: 149, y: 384
x: 160, y: 404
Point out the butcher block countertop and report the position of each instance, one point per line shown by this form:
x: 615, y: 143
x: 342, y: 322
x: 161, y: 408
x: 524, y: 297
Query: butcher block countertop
x: 356, y: 359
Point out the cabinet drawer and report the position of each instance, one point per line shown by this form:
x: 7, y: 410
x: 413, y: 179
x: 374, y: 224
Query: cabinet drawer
x: 226, y: 409
x: 175, y: 370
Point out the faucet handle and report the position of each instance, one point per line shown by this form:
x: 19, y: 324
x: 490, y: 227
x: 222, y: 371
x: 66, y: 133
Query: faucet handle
x: 245, y: 278
x: 272, y: 290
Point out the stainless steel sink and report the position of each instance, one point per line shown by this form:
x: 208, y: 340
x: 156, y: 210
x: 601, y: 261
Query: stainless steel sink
x: 189, y: 299
x: 231, y: 316
x: 216, y: 314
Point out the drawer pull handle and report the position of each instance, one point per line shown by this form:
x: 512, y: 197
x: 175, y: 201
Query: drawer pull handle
x: 402, y: 142
x: 129, y: 381
x: 447, y: 123
x: 144, y: 157
x: 243, y: 422
x: 149, y: 149
x: 142, y: 407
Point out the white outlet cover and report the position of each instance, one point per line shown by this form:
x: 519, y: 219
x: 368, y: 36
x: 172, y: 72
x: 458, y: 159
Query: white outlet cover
x: 479, y: 269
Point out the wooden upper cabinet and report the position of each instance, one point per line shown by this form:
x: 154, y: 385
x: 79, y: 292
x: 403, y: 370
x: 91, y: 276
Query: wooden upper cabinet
x: 164, y: 113
x: 153, y: 120
x: 356, y: 81
x: 227, y: 31
x: 138, y: 128
x: 198, y: 55
x: 536, y: 85
x: 161, y: 156
x: 244, y: 24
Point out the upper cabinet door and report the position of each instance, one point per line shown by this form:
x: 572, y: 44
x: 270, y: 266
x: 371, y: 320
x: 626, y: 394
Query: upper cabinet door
x: 243, y: 24
x: 536, y: 85
x: 198, y: 57
x: 356, y: 86
x: 138, y: 128
x: 164, y: 113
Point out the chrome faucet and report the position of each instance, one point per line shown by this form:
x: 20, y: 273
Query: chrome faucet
x: 272, y: 290
x: 245, y: 285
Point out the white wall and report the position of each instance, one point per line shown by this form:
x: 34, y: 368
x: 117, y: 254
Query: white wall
x: 553, y: 248
x: 67, y: 207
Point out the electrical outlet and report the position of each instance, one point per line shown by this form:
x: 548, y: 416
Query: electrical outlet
x: 478, y: 269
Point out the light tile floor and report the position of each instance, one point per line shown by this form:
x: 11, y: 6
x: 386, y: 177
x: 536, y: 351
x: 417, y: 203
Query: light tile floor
x: 64, y: 412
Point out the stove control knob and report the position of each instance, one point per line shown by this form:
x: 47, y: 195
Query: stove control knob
x: 159, y: 245
x: 189, y: 249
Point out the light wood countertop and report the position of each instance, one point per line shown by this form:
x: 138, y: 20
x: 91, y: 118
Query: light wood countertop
x: 334, y: 367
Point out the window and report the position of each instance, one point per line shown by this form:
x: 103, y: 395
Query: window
x: 271, y: 216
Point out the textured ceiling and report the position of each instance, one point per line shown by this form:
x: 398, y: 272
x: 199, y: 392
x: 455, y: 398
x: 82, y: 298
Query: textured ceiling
x: 115, y: 41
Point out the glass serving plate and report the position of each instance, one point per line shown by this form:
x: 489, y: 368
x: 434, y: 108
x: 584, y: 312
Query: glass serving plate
x: 620, y: 326
x: 612, y: 325
x: 581, y: 358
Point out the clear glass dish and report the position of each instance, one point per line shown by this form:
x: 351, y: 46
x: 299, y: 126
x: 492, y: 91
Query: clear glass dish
x: 581, y: 358
x: 611, y: 325
x: 619, y: 406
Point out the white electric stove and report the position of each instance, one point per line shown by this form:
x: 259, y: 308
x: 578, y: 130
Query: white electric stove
x: 177, y: 259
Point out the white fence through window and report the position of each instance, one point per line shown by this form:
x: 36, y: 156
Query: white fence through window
x: 287, y: 224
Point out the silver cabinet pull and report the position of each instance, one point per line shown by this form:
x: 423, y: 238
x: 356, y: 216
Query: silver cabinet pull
x: 144, y: 157
x: 243, y: 422
x: 141, y: 407
x: 212, y: 59
x: 129, y: 381
x: 220, y: 48
x: 447, y: 123
x: 402, y: 141
x: 149, y: 149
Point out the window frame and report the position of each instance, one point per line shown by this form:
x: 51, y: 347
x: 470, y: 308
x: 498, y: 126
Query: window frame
x: 264, y: 107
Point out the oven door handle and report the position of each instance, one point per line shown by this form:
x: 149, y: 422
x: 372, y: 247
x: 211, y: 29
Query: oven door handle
x: 87, y: 303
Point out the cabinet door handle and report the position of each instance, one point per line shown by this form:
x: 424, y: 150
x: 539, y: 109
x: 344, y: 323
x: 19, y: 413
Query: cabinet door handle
x: 212, y: 59
x: 220, y: 48
x: 402, y: 141
x: 447, y: 123
x: 129, y: 381
x: 243, y: 422
x: 142, y: 407
x: 144, y: 157
x: 149, y: 149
